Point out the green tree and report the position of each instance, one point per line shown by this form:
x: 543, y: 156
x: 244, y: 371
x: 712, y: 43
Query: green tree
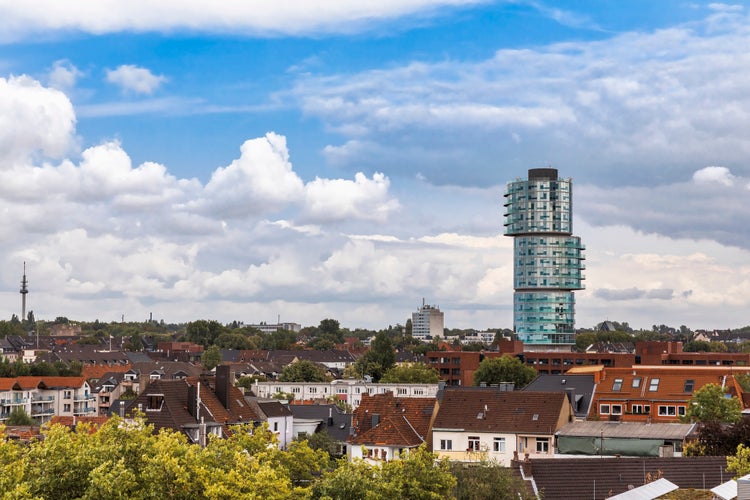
x: 18, y: 416
x: 303, y: 371
x: 380, y: 358
x: 711, y: 404
x: 506, y: 368
x: 739, y: 463
x: 411, y: 373
x: 211, y: 358
x: 204, y: 332
x: 488, y: 481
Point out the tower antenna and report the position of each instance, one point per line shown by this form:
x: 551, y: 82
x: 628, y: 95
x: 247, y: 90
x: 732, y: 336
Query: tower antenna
x: 24, y: 291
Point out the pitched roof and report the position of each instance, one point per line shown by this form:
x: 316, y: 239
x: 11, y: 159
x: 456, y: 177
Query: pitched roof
x: 388, y: 420
x: 559, y: 479
x: 580, y: 387
x: 341, y: 424
x: 626, y: 430
x: 491, y: 410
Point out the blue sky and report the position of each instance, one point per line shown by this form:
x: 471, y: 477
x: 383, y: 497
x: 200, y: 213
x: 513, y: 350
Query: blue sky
x: 346, y: 159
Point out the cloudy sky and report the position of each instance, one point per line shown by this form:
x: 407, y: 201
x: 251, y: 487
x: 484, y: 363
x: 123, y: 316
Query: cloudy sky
x: 255, y: 160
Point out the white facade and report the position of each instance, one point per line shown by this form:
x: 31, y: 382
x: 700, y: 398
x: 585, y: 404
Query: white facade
x: 428, y: 321
x: 42, y: 403
x: 345, y: 390
x: 474, y: 446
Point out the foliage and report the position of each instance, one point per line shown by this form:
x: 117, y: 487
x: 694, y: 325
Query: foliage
x: 211, y: 358
x: 20, y: 369
x: 505, y: 368
x: 711, y: 404
x: 411, y: 373
x: 230, y: 340
x: 717, y: 439
x: 489, y: 481
x: 323, y: 441
x: 417, y: 475
x: 18, y: 416
x: 303, y: 371
x: 378, y: 359
x: 204, y: 332
x: 280, y: 339
x: 703, y: 346
x: 739, y: 463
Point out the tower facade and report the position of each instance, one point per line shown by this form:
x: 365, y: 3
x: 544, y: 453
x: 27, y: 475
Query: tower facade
x: 427, y: 322
x: 547, y: 259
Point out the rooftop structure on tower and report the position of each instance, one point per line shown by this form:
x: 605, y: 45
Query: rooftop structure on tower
x: 24, y: 291
x: 547, y: 258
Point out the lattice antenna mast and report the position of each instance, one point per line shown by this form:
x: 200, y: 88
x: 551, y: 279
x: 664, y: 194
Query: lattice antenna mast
x: 24, y: 291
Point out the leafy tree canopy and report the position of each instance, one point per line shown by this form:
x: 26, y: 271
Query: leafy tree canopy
x: 411, y: 373
x: 504, y: 369
x: 211, y: 358
x: 303, y: 371
x: 711, y: 404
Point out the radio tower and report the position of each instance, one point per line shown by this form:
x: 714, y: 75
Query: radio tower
x: 24, y: 291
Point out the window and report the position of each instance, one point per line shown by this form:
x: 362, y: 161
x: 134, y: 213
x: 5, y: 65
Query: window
x: 66, y: 407
x: 473, y: 443
x: 604, y: 409
x: 654, y: 385
x: 616, y: 409
x: 295, y: 390
x: 662, y: 411
x: 689, y: 385
x: 669, y: 411
x: 617, y: 385
x: 402, y: 391
x: 418, y: 392
x: 681, y: 411
x: 498, y: 444
x: 67, y: 394
x: 636, y: 382
x: 312, y: 390
x: 446, y: 444
x: 275, y: 427
x: 641, y: 409
x: 155, y: 402
x: 542, y: 445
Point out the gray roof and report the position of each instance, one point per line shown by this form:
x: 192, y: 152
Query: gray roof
x: 580, y: 386
x: 341, y: 425
x: 648, y: 491
x: 632, y: 430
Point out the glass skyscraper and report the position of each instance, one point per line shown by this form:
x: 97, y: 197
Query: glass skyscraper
x: 547, y: 258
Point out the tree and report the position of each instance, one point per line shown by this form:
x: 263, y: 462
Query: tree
x: 211, y: 358
x: 488, y: 481
x: 411, y: 373
x: 204, y: 332
x: 711, y: 404
x: 380, y: 358
x: 18, y: 416
x: 303, y: 371
x: 506, y: 368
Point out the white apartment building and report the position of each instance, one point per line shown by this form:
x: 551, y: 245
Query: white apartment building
x: 345, y: 390
x: 427, y: 323
x: 45, y: 397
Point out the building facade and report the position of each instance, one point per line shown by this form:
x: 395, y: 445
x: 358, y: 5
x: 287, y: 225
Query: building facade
x: 427, y: 323
x: 547, y: 258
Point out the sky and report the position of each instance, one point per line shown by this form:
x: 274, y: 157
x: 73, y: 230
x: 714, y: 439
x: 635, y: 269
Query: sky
x: 296, y: 160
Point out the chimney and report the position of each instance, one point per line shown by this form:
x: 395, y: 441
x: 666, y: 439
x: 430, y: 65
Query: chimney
x: 192, y: 402
x: 224, y: 382
x: 330, y: 417
x: 375, y: 419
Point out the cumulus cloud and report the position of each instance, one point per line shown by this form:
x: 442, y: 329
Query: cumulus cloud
x: 63, y: 75
x: 720, y: 175
x: 33, y: 120
x: 295, y: 17
x: 131, y: 78
x: 339, y: 199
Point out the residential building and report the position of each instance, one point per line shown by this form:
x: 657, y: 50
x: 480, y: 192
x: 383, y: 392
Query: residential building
x: 477, y: 424
x: 623, y: 438
x: 653, y: 394
x: 384, y: 427
x: 280, y: 419
x: 328, y: 418
x: 427, y: 323
x: 275, y: 327
x: 579, y: 388
x: 45, y: 397
x: 347, y: 390
x: 547, y: 258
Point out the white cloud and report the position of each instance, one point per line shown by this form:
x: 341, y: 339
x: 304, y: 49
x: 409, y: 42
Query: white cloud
x: 295, y: 17
x: 131, y: 78
x: 63, y: 75
x: 340, y: 199
x: 33, y: 120
x: 720, y: 175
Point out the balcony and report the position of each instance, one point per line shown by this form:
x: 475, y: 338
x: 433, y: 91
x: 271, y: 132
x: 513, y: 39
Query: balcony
x: 43, y: 399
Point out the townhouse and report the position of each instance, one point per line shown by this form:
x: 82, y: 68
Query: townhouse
x: 478, y: 424
x: 44, y: 397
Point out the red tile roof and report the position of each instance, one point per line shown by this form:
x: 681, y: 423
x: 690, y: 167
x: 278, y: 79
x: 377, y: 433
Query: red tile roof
x: 398, y: 422
x: 491, y: 410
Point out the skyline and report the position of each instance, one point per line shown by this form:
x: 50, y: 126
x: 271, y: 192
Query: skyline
x: 348, y: 159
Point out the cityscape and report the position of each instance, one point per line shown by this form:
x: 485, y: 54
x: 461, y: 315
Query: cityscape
x: 339, y: 250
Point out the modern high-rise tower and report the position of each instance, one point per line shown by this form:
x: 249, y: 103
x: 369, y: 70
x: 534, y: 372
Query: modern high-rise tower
x: 547, y: 258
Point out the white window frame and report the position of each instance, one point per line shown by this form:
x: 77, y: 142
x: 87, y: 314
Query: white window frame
x: 542, y: 445
x: 498, y: 444
x: 604, y: 409
x: 446, y: 444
